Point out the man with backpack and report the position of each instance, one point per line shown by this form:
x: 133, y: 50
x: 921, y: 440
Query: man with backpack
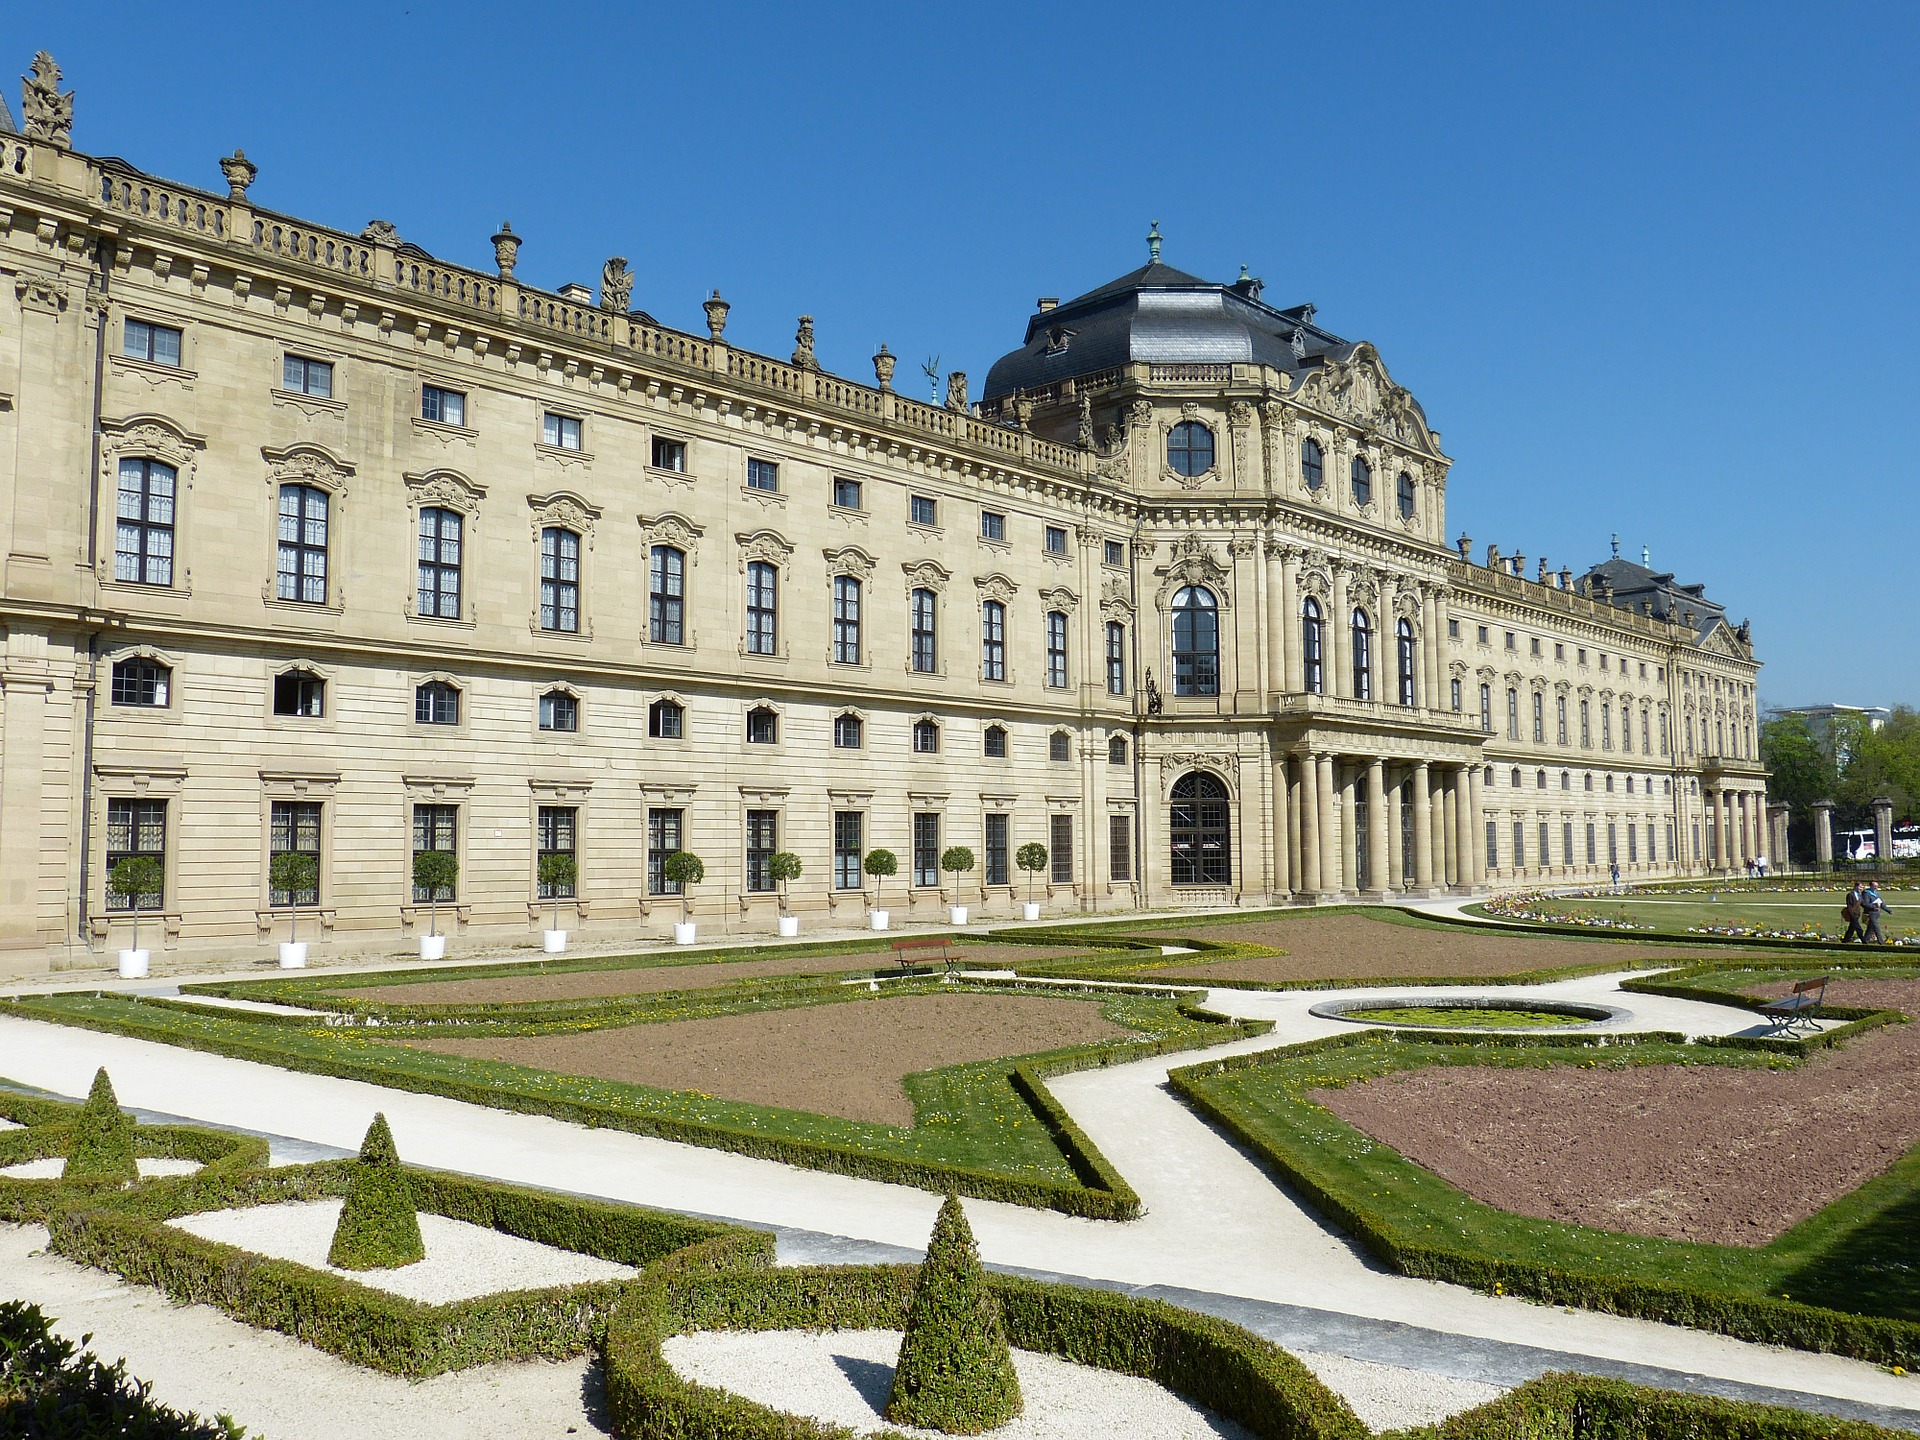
x: 1874, y: 907
x: 1853, y: 912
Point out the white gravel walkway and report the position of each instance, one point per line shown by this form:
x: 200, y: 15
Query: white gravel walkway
x: 462, y: 1260
x: 52, y: 1167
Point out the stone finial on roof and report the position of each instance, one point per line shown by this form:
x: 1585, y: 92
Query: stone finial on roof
x: 1153, y: 244
x: 240, y: 172
x: 803, y: 357
x: 48, y: 113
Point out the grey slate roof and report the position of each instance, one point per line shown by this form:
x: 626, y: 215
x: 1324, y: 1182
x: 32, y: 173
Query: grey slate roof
x: 1629, y: 585
x: 6, y: 118
x: 1160, y: 315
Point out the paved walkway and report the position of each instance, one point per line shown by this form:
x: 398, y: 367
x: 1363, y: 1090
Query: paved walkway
x: 1218, y: 1233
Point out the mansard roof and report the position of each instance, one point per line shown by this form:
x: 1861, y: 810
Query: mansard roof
x: 1630, y: 587
x: 6, y: 118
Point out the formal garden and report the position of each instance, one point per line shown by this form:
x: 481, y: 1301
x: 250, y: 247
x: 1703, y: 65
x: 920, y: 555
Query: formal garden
x: 1517, y: 1144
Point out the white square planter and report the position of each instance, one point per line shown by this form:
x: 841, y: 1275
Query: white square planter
x: 789, y: 925
x: 433, y: 947
x: 554, y: 942
x: 683, y: 931
x: 293, y: 954
x: 1029, y: 909
x: 878, y: 919
x: 957, y: 914
x: 133, y: 964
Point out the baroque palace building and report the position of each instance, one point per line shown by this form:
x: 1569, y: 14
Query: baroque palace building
x: 315, y: 542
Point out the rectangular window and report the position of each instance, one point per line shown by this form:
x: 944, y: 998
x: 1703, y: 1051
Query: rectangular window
x: 559, y: 580
x: 1592, y: 854
x: 1454, y: 695
x: 560, y: 431
x: 760, y: 846
x: 1539, y: 718
x: 143, y: 533
x: 926, y: 849
x: 847, y: 732
x: 1453, y: 629
x: 1546, y: 857
x: 925, y: 643
x: 1566, y: 842
x: 293, y: 828
x: 993, y: 525
x: 307, y: 377
x: 436, y: 703
x: 1481, y: 635
x: 1560, y: 718
x: 1606, y: 727
x: 139, y: 681
x: 846, y: 620
x: 666, y: 595
x: 144, y: 341
x: 1060, y: 848
x: 762, y: 474
x: 449, y: 407
x: 1116, y: 658
x: 1486, y: 709
x: 134, y: 828
x: 556, y: 825
x: 846, y: 493
x: 993, y: 640
x: 672, y: 455
x: 1120, y: 847
x: 439, y: 588
x: 1056, y: 649
x: 1633, y: 844
x: 1519, y: 845
x: 1613, y: 844
x: 847, y: 854
x: 302, y: 545
x: 1056, y: 540
x: 998, y: 847
x: 434, y: 827
x: 1493, y: 845
x: 1114, y: 553
x: 1534, y: 646
x: 922, y: 510
x: 762, y: 608
x: 1513, y: 714
x: 664, y: 828
x: 1511, y: 645
x: 1559, y: 652
x: 1586, y: 725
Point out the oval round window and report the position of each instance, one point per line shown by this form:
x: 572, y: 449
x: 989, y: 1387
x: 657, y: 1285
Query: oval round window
x: 1190, y: 448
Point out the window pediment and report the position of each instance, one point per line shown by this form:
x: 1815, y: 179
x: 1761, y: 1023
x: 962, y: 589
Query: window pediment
x: 307, y: 464
x: 672, y: 529
x: 764, y: 545
x: 445, y: 490
x: 996, y: 587
x: 850, y: 560
x: 565, y: 509
x: 926, y: 575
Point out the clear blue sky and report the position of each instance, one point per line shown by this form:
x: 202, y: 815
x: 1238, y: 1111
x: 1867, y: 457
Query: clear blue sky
x: 1650, y: 269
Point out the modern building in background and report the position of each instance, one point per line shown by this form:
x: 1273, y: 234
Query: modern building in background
x: 316, y: 542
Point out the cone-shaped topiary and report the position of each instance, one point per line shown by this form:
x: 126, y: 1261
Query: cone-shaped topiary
x: 955, y: 1373
x: 102, y: 1147
x: 378, y: 1229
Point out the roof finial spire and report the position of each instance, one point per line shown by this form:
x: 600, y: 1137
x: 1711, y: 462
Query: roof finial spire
x: 1646, y: 556
x: 1153, y: 244
x: 1616, y: 545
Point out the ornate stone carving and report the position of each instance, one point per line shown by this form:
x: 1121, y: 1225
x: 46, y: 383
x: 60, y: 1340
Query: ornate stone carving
x: 883, y: 362
x: 447, y: 489
x: 996, y: 587
x: 1194, y: 564
x: 716, y: 309
x: 849, y: 560
x: 1085, y: 436
x: 957, y: 391
x: 616, y: 285
x: 240, y: 173
x: 763, y: 545
x: 506, y: 250
x: 1116, y: 600
x: 153, y: 436
x: 38, y: 291
x: 803, y: 345
x: 1058, y: 597
x: 670, y: 529
x: 926, y: 575
x: 1223, y: 766
x: 566, y: 510
x: 47, y: 113
x: 381, y: 232
x: 1359, y: 389
x: 306, y: 465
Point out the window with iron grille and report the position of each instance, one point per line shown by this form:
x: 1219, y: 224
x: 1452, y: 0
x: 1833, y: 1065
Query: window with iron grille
x: 667, y: 595
x: 439, y: 564
x: 300, y: 693
x: 1116, y: 658
x: 762, y: 474
x: 1120, y: 847
x: 670, y: 454
x: 560, y: 712
x: 926, y: 849
x: 846, y: 620
x: 1060, y: 848
x: 926, y: 738
x: 436, y: 703
x: 993, y: 640
x: 998, y: 848
x: 1196, y: 641
x: 761, y: 825
x: 141, y: 682
x: 1199, y: 827
x: 925, y: 635
x: 556, y: 825
x: 848, y: 732
x: 448, y: 407
x: 846, y: 493
x: 762, y: 607
x: 665, y: 720
x: 293, y: 828
x: 993, y: 742
x: 434, y: 828
x: 143, y: 529
x: 141, y: 340
x: 1519, y: 845
x: 664, y: 829
x: 1057, y: 649
x: 559, y: 580
x: 302, y: 545
x: 1493, y: 845
x: 136, y: 827
x: 848, y: 831
x: 1059, y: 746
x: 307, y: 377
x: 560, y: 431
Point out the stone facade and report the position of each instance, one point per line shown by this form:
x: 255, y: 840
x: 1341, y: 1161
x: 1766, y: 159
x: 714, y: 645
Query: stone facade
x: 223, y: 430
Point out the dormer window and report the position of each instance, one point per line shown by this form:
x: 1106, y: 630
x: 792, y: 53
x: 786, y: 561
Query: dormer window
x: 1190, y: 448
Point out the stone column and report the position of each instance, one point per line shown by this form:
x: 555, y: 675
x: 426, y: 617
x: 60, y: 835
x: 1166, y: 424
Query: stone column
x: 1275, y: 613
x: 1347, y: 778
x: 1296, y: 853
x: 1422, y: 829
x: 1308, y: 817
x: 1823, y: 833
x: 1777, y: 857
x: 1377, y: 847
x: 1282, y: 855
x: 1476, y: 803
x: 1341, y: 681
x: 1722, y: 826
x: 1430, y: 633
x: 1460, y: 811
x: 1330, y: 838
x: 1882, y: 830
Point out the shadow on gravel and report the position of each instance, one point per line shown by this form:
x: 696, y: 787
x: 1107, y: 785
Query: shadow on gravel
x: 872, y: 1379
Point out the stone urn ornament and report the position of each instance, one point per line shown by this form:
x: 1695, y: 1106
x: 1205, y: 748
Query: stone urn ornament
x: 506, y: 250
x: 716, y: 309
x: 240, y: 173
x: 883, y: 363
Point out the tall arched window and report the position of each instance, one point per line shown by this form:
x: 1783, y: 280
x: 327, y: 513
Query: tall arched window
x: 1403, y: 633
x: 1362, y: 482
x: 762, y: 607
x: 1196, y: 642
x: 1362, y: 656
x: 1201, y: 831
x: 143, y: 531
x: 302, y: 545
x: 1312, y: 466
x: 439, y: 563
x: 993, y: 640
x: 926, y: 647
x: 667, y: 596
x: 846, y: 620
x: 1312, y: 635
x: 1190, y: 448
x: 1057, y: 649
x: 1406, y: 496
x: 559, y: 579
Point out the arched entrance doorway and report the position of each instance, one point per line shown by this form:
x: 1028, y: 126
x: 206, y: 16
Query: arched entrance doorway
x: 1200, y: 825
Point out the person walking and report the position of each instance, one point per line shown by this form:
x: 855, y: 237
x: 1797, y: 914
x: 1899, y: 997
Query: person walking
x: 1853, y: 912
x: 1874, y: 907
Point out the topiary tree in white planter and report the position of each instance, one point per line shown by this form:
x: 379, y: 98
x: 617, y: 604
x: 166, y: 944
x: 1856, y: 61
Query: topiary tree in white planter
x: 294, y: 873
x: 957, y: 860
x: 784, y: 867
x: 1032, y: 858
x: 686, y: 870
x: 134, y: 878
x: 557, y: 872
x: 434, y: 871
x: 880, y: 864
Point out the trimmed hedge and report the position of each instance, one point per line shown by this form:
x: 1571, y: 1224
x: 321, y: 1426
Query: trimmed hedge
x: 954, y: 1372
x: 1762, y: 1318
x: 100, y: 1144
x: 378, y: 1229
x: 128, y: 1234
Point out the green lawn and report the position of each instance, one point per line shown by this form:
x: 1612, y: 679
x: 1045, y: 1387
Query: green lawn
x: 1463, y: 1017
x: 1787, y: 911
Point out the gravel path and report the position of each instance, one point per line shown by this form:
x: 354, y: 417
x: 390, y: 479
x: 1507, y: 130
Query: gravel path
x: 843, y: 1377
x: 52, y: 1167
x: 462, y: 1260
x: 1392, y: 1397
x: 845, y: 1059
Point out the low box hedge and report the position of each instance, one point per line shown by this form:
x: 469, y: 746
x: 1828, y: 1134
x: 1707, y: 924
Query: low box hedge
x: 129, y: 1235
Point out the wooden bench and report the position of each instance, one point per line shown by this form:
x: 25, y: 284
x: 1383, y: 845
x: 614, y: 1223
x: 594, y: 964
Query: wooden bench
x: 1801, y: 1002
x: 927, y: 948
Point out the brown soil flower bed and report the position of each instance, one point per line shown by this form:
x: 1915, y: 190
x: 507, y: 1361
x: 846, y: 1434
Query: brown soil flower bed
x: 843, y: 1059
x: 651, y: 979
x: 1708, y: 1153
x: 1358, y: 947
x: 1855, y: 991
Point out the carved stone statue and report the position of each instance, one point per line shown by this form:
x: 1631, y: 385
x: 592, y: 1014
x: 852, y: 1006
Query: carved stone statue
x: 240, y: 173
x: 48, y: 113
x: 1086, y: 422
x: 616, y: 285
x: 956, y: 390
x: 380, y: 232
x: 803, y: 345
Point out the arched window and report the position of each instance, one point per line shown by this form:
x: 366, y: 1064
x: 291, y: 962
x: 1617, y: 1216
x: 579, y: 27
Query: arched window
x: 1403, y: 633
x: 846, y: 620
x: 1190, y: 448
x: 560, y: 712
x: 926, y: 644
x: 143, y: 531
x: 926, y: 737
x: 559, y: 580
x: 439, y: 564
x: 1200, y: 829
x: 848, y: 731
x: 1196, y: 642
x: 762, y: 607
x: 1362, y: 656
x: 140, y: 681
x: 1312, y: 464
x: 763, y: 726
x: 303, y: 545
x: 1362, y: 482
x: 993, y: 742
x: 1116, y: 749
x: 1059, y: 746
x: 1406, y: 496
x: 993, y: 640
x: 1311, y: 637
x: 667, y: 596
x: 299, y: 692
x: 436, y: 703
x: 666, y: 720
